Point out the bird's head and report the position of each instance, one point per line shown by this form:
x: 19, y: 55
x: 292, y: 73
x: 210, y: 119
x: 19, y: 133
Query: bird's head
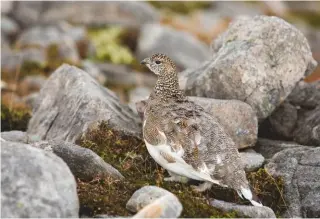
x: 159, y: 64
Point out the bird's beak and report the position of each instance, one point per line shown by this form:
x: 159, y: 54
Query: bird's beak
x: 143, y: 62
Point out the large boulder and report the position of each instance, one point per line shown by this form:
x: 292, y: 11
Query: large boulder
x: 83, y: 163
x: 184, y: 49
x: 300, y: 169
x: 257, y: 60
x: 35, y: 183
x: 71, y: 101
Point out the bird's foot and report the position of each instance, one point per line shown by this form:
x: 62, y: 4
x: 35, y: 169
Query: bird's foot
x: 202, y: 187
x: 176, y: 178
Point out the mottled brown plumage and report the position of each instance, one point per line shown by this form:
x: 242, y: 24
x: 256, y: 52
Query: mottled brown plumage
x: 185, y: 139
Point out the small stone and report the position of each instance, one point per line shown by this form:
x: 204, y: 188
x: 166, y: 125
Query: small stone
x: 244, y: 210
x: 35, y: 183
x: 145, y: 196
x: 8, y: 26
x: 251, y: 160
x: 83, y: 163
x: 167, y: 206
x: 184, y: 49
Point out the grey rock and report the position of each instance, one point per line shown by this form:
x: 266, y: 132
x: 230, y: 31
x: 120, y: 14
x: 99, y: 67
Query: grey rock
x: 15, y: 136
x: 83, y: 162
x: 237, y: 117
x: 35, y: 183
x: 244, y: 210
x: 167, y: 206
x: 124, y: 76
x: 94, y: 71
x: 28, y: 13
x: 283, y: 120
x: 6, y: 7
x: 31, y: 100
x: 251, y: 160
x: 306, y: 94
x: 51, y: 37
x: 8, y: 26
x: 31, y: 83
x: 128, y: 14
x: 307, y: 130
x: 300, y: 169
x: 268, y: 147
x: 257, y: 60
x: 237, y: 8
x: 145, y: 196
x: 138, y: 94
x: 71, y: 102
x: 184, y: 49
x: 13, y: 60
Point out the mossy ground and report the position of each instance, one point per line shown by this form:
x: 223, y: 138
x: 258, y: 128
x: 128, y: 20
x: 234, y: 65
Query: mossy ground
x: 14, y: 118
x: 130, y: 157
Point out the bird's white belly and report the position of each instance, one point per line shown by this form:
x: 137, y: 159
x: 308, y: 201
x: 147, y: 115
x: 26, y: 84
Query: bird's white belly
x: 179, y: 167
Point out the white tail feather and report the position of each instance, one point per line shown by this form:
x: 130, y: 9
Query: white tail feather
x: 247, y: 194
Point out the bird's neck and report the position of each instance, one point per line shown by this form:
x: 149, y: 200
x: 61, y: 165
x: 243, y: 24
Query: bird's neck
x: 167, y: 86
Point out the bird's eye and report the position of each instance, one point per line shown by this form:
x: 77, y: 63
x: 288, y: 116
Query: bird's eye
x: 158, y: 62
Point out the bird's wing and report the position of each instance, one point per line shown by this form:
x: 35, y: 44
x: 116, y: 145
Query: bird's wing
x: 206, y: 145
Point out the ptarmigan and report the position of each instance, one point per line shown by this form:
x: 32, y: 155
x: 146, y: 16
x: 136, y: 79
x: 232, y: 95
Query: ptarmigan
x: 187, y: 141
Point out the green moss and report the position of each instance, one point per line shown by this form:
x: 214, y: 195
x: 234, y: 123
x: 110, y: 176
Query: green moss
x: 107, y: 42
x: 183, y: 7
x: 129, y: 155
x: 310, y: 17
x: 14, y: 119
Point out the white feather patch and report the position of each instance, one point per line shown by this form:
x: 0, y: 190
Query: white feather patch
x: 247, y: 194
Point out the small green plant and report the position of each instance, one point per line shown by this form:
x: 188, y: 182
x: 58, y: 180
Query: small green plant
x: 107, y: 42
x: 14, y: 119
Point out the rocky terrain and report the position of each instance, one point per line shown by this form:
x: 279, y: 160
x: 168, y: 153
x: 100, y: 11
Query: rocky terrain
x: 73, y: 96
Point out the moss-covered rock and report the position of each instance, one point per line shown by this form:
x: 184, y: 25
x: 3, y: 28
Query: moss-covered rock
x: 14, y: 119
x: 129, y: 155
